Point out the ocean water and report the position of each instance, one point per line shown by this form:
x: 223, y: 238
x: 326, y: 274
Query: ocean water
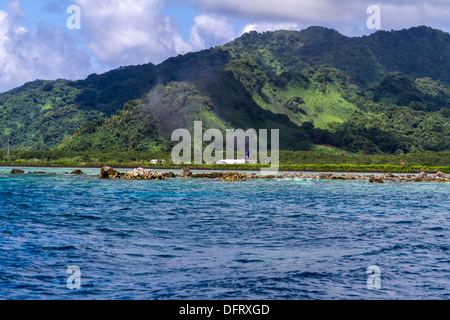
x: 282, y: 239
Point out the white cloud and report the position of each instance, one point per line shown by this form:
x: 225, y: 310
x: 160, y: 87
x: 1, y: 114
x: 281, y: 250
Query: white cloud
x: 114, y: 32
x: 46, y: 53
x: 346, y: 16
x: 124, y: 32
x: 210, y: 31
x: 280, y: 10
x: 127, y: 32
x: 432, y: 13
x: 264, y: 26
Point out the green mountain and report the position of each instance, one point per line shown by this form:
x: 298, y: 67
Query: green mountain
x: 388, y: 92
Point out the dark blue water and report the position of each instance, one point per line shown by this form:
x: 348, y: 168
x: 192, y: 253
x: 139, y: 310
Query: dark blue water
x: 205, y: 239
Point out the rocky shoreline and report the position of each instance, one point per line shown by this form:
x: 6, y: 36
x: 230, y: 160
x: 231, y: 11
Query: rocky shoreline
x: 19, y: 171
x: 149, y: 174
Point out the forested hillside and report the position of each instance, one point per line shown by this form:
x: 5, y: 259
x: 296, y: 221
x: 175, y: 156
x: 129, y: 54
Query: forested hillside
x: 384, y: 93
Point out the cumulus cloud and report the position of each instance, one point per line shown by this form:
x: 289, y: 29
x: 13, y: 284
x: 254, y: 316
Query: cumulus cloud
x: 264, y: 26
x: 113, y: 33
x: 123, y: 32
x: 431, y: 13
x: 280, y: 10
x: 347, y: 16
x: 47, y: 53
x: 210, y: 31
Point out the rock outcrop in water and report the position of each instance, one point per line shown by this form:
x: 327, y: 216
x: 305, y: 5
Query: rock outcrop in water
x: 376, y: 180
x: 17, y: 171
x: 135, y: 174
x: 233, y: 176
x: 77, y: 172
x: 187, y: 173
x: 148, y: 174
x: 143, y: 174
x: 169, y: 175
x: 109, y: 173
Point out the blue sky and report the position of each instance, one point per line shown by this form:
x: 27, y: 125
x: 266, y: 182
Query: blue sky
x: 39, y: 12
x: 35, y: 42
x: 183, y: 15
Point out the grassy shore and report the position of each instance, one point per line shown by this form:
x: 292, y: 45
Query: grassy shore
x: 289, y: 160
x: 249, y: 167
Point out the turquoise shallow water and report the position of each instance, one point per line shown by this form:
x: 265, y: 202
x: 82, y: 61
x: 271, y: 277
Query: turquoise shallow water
x: 206, y: 239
